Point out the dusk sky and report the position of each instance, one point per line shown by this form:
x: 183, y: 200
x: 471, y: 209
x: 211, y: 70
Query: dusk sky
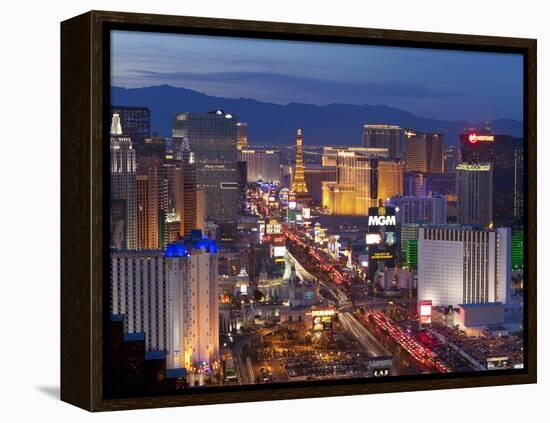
x: 439, y: 84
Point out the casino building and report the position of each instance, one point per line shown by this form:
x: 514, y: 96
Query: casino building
x: 463, y: 265
x: 262, y: 164
x: 505, y: 155
x: 365, y: 177
x: 170, y: 297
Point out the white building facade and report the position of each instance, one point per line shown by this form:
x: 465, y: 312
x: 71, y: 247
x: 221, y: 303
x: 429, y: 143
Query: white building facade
x: 172, y: 299
x: 463, y: 266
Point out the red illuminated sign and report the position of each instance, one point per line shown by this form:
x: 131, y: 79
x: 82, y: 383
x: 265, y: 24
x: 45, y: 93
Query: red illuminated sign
x: 277, y: 240
x: 474, y: 138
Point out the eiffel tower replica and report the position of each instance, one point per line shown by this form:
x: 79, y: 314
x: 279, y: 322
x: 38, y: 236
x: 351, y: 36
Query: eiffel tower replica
x: 299, y: 187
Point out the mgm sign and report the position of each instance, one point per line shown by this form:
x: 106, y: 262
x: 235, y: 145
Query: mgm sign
x: 381, y: 218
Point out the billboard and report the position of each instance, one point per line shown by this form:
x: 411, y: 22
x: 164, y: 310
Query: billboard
x: 390, y: 239
x: 385, y: 254
x: 283, y: 195
x: 474, y: 138
x: 321, y: 312
x: 382, y: 218
x: 495, y: 363
x: 322, y: 318
x: 279, y: 251
x: 373, y: 239
x: 425, y: 311
x: 380, y: 366
x: 273, y: 228
x: 277, y: 240
x: 381, y: 254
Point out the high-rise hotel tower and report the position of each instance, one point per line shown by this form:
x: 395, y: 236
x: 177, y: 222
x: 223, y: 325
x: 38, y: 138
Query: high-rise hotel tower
x: 123, y: 189
x: 423, y: 152
x: 474, y: 184
x: 171, y: 299
x: 458, y: 265
x: 212, y: 138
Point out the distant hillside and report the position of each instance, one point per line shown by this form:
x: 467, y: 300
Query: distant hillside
x: 268, y: 123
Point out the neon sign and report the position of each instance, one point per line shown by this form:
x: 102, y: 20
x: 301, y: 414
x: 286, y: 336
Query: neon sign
x: 474, y: 138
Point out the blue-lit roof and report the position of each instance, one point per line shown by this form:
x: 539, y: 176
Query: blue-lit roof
x: 134, y: 336
x: 176, y: 249
x: 196, y: 241
x: 155, y: 355
x: 206, y: 244
x: 175, y: 373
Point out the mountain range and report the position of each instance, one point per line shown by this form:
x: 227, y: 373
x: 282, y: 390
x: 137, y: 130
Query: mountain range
x: 269, y: 123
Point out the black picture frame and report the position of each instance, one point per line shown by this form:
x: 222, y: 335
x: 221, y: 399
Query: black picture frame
x: 84, y: 254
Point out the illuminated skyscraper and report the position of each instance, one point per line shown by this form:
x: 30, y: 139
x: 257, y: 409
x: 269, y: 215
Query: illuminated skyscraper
x: 330, y: 154
x: 144, y: 233
x: 338, y: 198
x: 192, y: 272
x: 518, y: 183
x: 390, y: 178
x: 385, y: 136
x: 201, y: 213
x: 123, y: 188
x: 363, y: 179
x: 517, y: 250
x: 135, y: 123
x: 474, y: 184
x: 451, y: 158
x: 182, y: 283
x: 423, y: 152
x: 212, y: 138
x: 463, y: 266
x: 138, y: 279
x: 242, y: 135
x: 314, y: 176
x: 299, y: 186
x: 503, y: 152
x: 186, y: 193
x: 152, y: 203
x: 262, y: 164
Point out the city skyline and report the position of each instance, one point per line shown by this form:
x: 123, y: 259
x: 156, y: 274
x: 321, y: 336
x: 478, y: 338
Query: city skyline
x: 441, y: 84
x: 239, y: 264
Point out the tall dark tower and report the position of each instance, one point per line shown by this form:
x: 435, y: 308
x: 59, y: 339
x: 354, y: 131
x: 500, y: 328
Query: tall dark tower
x: 474, y: 184
x: 299, y: 186
x: 212, y: 138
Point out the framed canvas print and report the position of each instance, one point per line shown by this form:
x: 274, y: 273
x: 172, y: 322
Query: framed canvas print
x: 256, y: 211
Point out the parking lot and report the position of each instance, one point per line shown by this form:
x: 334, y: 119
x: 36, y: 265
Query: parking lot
x: 481, y: 349
x: 314, y: 365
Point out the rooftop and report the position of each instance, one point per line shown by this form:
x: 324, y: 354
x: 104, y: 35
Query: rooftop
x: 480, y: 305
